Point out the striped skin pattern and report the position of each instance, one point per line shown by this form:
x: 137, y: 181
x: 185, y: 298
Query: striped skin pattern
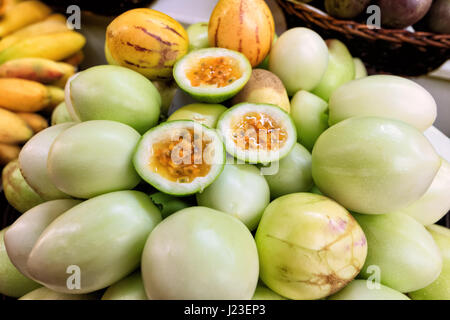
x: 246, y: 26
x: 147, y: 41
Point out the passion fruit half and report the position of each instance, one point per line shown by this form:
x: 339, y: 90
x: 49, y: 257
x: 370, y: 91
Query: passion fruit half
x: 212, y: 75
x: 180, y: 157
x: 257, y: 133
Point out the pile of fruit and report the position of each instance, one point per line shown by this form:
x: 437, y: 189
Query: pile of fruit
x: 38, y: 53
x: 293, y: 176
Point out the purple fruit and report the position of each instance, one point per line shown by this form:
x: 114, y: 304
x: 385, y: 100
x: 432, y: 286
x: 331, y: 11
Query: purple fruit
x: 346, y: 9
x: 399, y: 14
x: 439, y: 16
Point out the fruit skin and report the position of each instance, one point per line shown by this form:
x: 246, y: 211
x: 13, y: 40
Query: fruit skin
x: 44, y: 293
x: 167, y: 90
x: 21, y: 95
x: 198, y: 35
x: 310, y: 116
x: 302, y: 225
x: 340, y: 70
x: 206, y: 114
x: 359, y: 290
x: 17, y: 191
x: 13, y: 129
x: 403, y: 251
x: 113, y: 93
x: 440, y: 288
x: 300, y: 59
x: 35, y: 121
x: 264, y: 87
x: 439, y: 16
x: 75, y: 59
x: 384, y: 96
x: 104, y: 233
x: 346, y: 9
x: 147, y: 41
x: 23, y: 234
x: 293, y: 174
x: 355, y: 162
x: 22, y: 14
x: 402, y: 13
x: 33, y: 162
x: 57, y: 95
x: 213, y: 256
x: 36, y: 69
x: 240, y: 191
x: 168, y: 204
x: 435, y: 203
x: 60, y: 114
x: 54, y: 46
x: 360, y: 69
x: 12, y: 282
x: 93, y: 158
x: 129, y: 288
x: 264, y: 293
x: 244, y: 26
x: 8, y: 153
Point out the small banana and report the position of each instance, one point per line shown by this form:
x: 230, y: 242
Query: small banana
x: 54, y: 46
x: 6, y: 5
x: 75, y: 59
x: 8, y: 153
x: 23, y: 14
x: 13, y: 129
x: 35, y: 121
x: 56, y: 96
x: 37, y: 69
x: 22, y: 95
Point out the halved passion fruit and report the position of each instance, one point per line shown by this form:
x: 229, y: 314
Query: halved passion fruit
x: 213, y: 74
x: 257, y: 133
x: 180, y: 157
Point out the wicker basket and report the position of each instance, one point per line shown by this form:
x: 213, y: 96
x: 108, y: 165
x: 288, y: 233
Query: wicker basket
x: 398, y: 52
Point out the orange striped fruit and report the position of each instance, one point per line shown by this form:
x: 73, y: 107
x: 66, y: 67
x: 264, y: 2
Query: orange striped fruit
x: 146, y: 41
x: 246, y: 26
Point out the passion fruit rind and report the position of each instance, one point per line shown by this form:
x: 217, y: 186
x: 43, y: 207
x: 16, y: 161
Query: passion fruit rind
x: 276, y: 117
x: 144, y: 156
x: 212, y: 92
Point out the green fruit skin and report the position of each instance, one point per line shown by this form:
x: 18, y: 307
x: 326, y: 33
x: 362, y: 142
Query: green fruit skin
x: 167, y: 203
x: 340, y: 70
x: 373, y: 165
x: 206, y: 114
x: 384, y: 96
x: 299, y: 58
x: 47, y: 294
x: 293, y: 174
x: 129, y: 288
x: 240, y: 191
x: 93, y: 158
x: 309, y: 246
x: 404, y: 251
x: 198, y: 36
x: 17, y: 191
x: 61, y: 115
x: 360, y: 290
x: 346, y: 9
x: 33, y: 162
x: 167, y: 90
x: 440, y: 288
x: 103, y: 236
x: 26, y: 230
x: 114, y: 93
x: 265, y: 63
x: 12, y: 282
x: 212, y: 256
x: 360, y: 69
x: 435, y: 203
x: 264, y: 293
x: 310, y: 115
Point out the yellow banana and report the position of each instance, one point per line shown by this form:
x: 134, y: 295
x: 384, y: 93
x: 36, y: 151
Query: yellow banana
x: 37, y: 69
x: 23, y: 14
x: 22, y: 95
x: 52, y: 24
x: 6, y: 5
x: 13, y: 129
x: 35, y: 121
x: 8, y: 153
x: 56, y: 96
x: 54, y: 46
x: 75, y: 59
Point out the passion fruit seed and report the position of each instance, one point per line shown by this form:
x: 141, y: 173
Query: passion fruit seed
x: 216, y: 71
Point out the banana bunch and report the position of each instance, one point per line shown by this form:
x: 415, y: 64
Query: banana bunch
x: 38, y: 54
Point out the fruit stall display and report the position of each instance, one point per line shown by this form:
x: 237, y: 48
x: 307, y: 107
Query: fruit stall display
x: 291, y: 175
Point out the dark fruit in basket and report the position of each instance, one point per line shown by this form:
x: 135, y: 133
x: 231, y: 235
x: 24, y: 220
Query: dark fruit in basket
x: 400, y: 14
x: 439, y: 16
x: 346, y: 9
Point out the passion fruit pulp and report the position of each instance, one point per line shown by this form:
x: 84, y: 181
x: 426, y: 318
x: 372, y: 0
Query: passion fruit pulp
x: 180, y: 157
x: 257, y: 133
x: 213, y: 74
